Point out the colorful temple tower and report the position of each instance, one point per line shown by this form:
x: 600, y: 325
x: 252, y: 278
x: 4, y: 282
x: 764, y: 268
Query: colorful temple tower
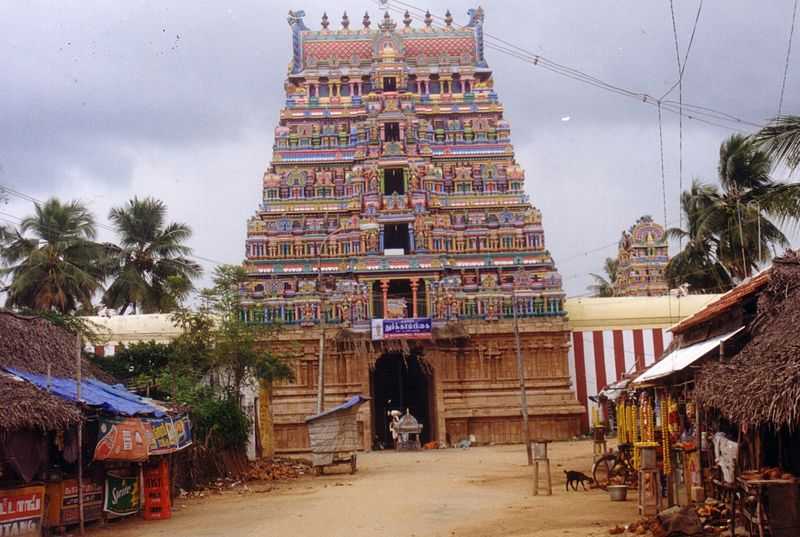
x: 394, y: 208
x: 642, y: 259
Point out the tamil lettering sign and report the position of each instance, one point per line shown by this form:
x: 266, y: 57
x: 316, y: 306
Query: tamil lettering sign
x: 122, y: 440
x: 414, y: 328
x: 122, y: 495
x: 70, y: 503
x: 21, y: 511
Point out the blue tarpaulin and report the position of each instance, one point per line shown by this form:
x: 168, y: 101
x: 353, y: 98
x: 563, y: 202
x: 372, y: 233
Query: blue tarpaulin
x: 353, y: 401
x: 113, y: 399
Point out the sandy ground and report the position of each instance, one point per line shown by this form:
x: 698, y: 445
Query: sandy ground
x: 476, y: 492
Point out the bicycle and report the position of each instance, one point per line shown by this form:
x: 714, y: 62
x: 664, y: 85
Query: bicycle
x: 615, y: 467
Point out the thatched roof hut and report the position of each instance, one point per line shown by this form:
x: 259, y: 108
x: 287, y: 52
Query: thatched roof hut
x: 38, y: 346
x: 27, y: 407
x: 761, y: 384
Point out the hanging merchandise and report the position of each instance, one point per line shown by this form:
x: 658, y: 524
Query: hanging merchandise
x: 664, y: 405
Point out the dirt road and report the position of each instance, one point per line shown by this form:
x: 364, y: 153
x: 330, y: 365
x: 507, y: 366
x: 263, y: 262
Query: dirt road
x: 476, y: 492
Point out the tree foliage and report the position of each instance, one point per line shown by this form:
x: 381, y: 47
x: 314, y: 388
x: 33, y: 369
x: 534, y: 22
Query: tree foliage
x: 152, y: 272
x: 603, y: 286
x: 53, y: 259
x: 734, y: 228
x: 781, y: 140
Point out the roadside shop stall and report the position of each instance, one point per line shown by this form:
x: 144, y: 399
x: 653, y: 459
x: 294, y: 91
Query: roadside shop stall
x: 755, y: 398
x: 67, y: 458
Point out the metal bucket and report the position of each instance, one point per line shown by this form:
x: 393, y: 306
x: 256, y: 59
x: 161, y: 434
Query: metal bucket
x: 618, y: 493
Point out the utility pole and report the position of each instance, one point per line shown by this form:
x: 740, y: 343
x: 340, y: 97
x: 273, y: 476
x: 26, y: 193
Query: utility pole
x: 80, y: 433
x: 321, y: 362
x: 523, y: 395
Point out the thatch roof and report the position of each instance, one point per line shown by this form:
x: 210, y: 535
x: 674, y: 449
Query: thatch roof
x: 761, y: 384
x: 27, y: 407
x: 31, y: 344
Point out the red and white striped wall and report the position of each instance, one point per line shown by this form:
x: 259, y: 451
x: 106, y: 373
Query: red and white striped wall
x: 598, y: 358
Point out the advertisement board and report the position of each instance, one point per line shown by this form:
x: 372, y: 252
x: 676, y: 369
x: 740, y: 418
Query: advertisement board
x: 125, y: 439
x: 21, y: 510
x: 122, y: 495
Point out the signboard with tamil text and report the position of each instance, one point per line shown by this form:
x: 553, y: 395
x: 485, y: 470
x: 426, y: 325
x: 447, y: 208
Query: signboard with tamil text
x: 413, y: 328
x: 21, y: 510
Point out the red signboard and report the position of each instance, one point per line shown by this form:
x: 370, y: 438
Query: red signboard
x: 21, y: 510
x: 123, y: 440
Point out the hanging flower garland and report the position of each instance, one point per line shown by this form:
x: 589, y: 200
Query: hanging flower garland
x: 664, y: 406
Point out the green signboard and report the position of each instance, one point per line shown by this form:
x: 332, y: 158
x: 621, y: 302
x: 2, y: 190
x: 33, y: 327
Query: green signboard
x: 122, y: 495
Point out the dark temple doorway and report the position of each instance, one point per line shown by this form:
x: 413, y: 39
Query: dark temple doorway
x: 399, y: 383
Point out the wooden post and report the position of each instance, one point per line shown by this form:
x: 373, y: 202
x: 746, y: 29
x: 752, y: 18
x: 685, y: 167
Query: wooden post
x: 523, y: 395
x: 80, y: 434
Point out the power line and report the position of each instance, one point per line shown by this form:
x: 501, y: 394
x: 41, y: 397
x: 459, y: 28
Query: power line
x: 32, y: 199
x: 663, y: 175
x: 701, y: 114
x: 788, y: 55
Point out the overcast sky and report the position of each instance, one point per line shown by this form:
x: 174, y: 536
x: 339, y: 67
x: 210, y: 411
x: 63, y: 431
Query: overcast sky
x: 102, y: 101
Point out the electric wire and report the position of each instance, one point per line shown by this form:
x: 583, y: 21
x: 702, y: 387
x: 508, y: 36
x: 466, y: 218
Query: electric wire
x: 28, y: 197
x: 788, y: 55
x: 701, y: 114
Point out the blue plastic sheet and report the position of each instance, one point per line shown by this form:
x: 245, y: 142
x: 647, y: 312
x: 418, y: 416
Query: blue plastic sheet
x: 353, y: 401
x: 114, y: 399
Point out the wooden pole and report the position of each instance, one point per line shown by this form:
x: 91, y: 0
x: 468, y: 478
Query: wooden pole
x: 321, y: 362
x: 80, y: 434
x: 523, y: 395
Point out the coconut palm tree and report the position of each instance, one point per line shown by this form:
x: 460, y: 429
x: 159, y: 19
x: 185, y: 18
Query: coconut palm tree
x: 781, y: 140
x: 749, y: 207
x: 604, y: 285
x: 733, y: 227
x: 153, y: 271
x: 52, y: 259
x: 696, y: 264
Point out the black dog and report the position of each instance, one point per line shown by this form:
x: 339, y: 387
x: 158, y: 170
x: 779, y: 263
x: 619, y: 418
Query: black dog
x: 573, y: 478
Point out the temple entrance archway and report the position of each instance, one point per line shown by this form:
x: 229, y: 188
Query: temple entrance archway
x: 401, y: 382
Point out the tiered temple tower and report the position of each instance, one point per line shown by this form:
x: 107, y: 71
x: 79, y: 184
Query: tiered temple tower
x: 393, y: 177
x: 642, y: 259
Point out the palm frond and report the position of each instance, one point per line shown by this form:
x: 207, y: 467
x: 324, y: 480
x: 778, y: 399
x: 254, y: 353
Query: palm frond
x: 781, y: 140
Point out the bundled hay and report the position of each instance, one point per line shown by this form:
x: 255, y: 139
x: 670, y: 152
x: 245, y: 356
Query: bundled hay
x: 761, y: 384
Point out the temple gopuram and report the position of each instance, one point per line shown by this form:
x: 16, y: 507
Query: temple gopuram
x: 394, y: 221
x: 642, y: 259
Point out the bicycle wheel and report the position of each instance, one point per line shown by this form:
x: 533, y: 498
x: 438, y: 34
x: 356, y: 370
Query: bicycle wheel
x: 601, y: 470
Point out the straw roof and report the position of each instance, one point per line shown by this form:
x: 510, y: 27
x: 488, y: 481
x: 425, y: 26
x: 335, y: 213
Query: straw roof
x: 761, y: 384
x: 30, y: 344
x: 27, y: 407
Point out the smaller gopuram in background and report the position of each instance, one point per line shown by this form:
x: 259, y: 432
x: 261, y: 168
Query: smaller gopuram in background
x: 642, y: 260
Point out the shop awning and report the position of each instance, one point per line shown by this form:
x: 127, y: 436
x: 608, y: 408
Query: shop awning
x: 115, y: 399
x: 680, y: 359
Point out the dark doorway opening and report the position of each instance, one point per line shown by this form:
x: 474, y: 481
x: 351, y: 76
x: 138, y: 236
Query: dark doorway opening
x: 389, y: 83
x: 395, y: 236
x: 399, y: 383
x: 393, y: 181
x: 392, y: 132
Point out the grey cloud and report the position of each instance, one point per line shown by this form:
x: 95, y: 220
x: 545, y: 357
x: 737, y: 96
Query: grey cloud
x: 106, y: 97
